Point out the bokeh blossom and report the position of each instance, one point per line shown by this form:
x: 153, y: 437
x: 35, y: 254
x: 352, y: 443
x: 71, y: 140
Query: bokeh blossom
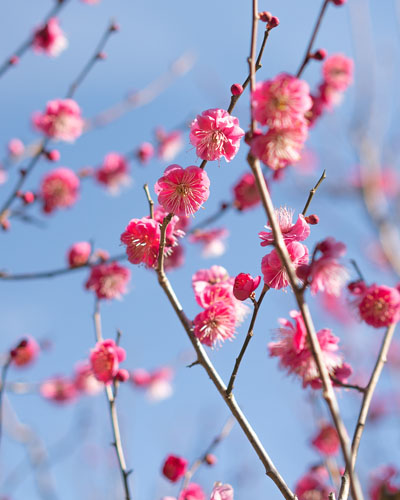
x: 61, y: 120
x: 108, y: 280
x: 59, y: 189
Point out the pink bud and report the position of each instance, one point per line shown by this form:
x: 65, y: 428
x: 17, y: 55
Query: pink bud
x: 122, y: 375
x: 357, y: 287
x: 245, y: 285
x: 265, y: 16
x: 236, y: 89
x: 114, y: 27
x: 28, y: 197
x: 13, y: 60
x: 319, y: 55
x: 16, y: 147
x: 303, y: 272
x: 312, y: 219
x: 210, y: 459
x: 53, y: 155
x: 273, y: 23
x: 102, y: 56
x: 145, y: 152
x: 174, y: 468
x: 5, y: 225
x: 25, y: 352
x: 339, y: 2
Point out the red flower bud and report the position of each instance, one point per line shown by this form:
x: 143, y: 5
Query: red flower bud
x: 265, y: 16
x: 245, y: 285
x: 122, y: 375
x: 236, y: 89
x: 174, y: 468
x: 312, y: 219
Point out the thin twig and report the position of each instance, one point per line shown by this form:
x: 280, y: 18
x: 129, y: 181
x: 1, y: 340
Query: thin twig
x: 313, y: 191
x: 357, y: 269
x: 92, y: 61
x: 203, y: 458
x: 149, y: 199
x: 247, y: 340
x: 366, y: 402
x: 348, y: 386
x: 55, y: 272
x: 307, y: 55
x: 20, y: 51
x: 113, y: 413
x: 4, y: 371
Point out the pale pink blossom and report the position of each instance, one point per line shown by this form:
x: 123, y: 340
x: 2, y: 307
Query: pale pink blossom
x: 114, y: 172
x: 85, y: 381
x: 222, y: 492
x: 183, y: 191
x: 142, y: 240
x: 15, y: 148
x: 78, y: 254
x: 327, y: 440
x: 174, y: 468
x: 275, y: 275
x: 279, y: 148
x: 215, y: 324
x: 104, y: 360
x: 192, y: 492
x: 25, y: 352
x: 313, y: 485
x: 295, y: 356
x: 59, y: 189
x: 156, y: 383
x: 382, y: 480
x: 108, y: 280
x: 50, y: 38
x: 212, y: 241
x: 298, y: 231
x: 145, y: 152
x: 337, y: 71
x: 59, y: 389
x: 169, y: 144
x: 281, y: 102
x: 245, y: 285
x: 61, y: 120
x: 246, y: 194
x: 216, y: 134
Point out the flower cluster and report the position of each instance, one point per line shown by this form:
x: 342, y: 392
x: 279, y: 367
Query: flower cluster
x: 61, y: 120
x: 113, y: 173
x: 213, y: 290
x: 49, y: 38
x: 104, y: 360
x: 280, y: 104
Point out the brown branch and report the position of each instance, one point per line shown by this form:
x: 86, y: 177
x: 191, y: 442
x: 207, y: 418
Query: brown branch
x: 111, y: 28
x: 149, y: 199
x: 203, y: 458
x: 312, y: 192
x: 249, y: 336
x: 307, y: 55
x: 348, y: 386
x: 55, y: 272
x: 111, y: 397
x: 366, y: 402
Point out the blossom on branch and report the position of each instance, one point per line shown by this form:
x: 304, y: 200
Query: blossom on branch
x: 298, y: 231
x: 25, y: 352
x: 113, y: 173
x: 59, y: 389
x: 50, y: 38
x: 61, y: 120
x: 215, y: 324
x: 79, y: 253
x: 174, y: 467
x: 246, y: 194
x: 108, y: 280
x: 59, y: 189
x: 104, y: 360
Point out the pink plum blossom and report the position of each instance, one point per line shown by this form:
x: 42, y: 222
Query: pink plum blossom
x: 275, y: 275
x: 279, y: 148
x: 382, y: 479
x: 313, y: 485
x: 327, y: 440
x: 290, y: 232
x: 246, y: 194
x: 104, y: 360
x: 212, y: 241
x: 281, y: 102
x: 142, y: 240
x: 192, y: 492
x: 245, y: 285
x: 145, y: 152
x: 291, y: 347
x: 380, y: 306
x: 216, y: 134
x: 174, y: 467
x: 58, y: 389
x: 59, y: 189
x: 61, y: 120
x: 78, y: 254
x: 338, y: 71
x: 85, y: 381
x: 15, y: 148
x: 49, y: 38
x: 183, y: 191
x: 114, y: 172
x: 216, y: 275
x: 215, y: 324
x: 25, y: 352
x: 222, y: 492
x: 169, y: 144
x: 108, y: 280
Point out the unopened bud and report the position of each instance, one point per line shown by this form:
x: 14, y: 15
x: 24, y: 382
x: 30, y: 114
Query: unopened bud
x: 265, y: 16
x: 13, y: 60
x: 210, y: 459
x: 102, y: 55
x: 319, y: 55
x: 236, y: 89
x: 273, y: 23
x: 53, y: 155
x: 339, y: 2
x: 122, y: 375
x: 28, y: 197
x: 312, y: 219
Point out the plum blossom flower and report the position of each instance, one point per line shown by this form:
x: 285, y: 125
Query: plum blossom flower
x: 337, y: 71
x: 156, y: 383
x: 114, y: 172
x: 245, y: 285
x: 281, y: 102
x: 382, y: 481
x: 25, y: 352
x: 212, y: 241
x: 85, y: 381
x: 59, y: 189
x: 275, y: 275
x: 215, y: 324
x: 313, y: 485
x: 50, y: 38
x: 61, y: 120
x: 327, y: 440
x: 216, y: 275
x: 108, y: 280
x: 192, y: 492
x: 379, y: 305
x: 15, y: 148
x: 246, y: 194
x: 174, y: 467
x: 290, y: 232
x: 145, y: 152
x: 169, y: 144
x: 279, y: 148
x: 142, y: 240
x: 104, y: 360
x: 215, y: 133
x: 183, y: 191
x: 222, y: 492
x: 58, y: 389
x: 78, y: 254
x: 294, y: 354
